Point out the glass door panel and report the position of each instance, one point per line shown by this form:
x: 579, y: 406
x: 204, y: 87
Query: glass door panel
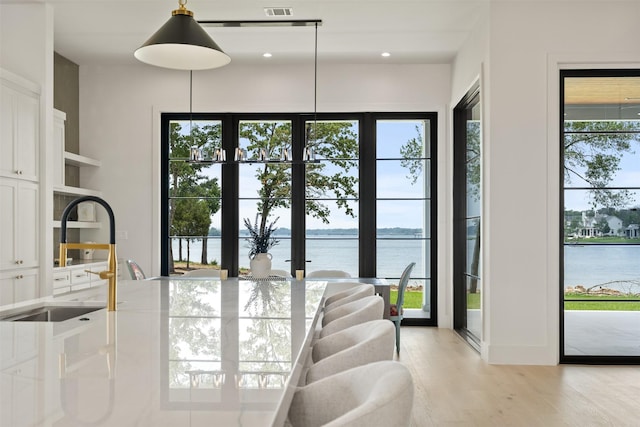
x: 331, y: 196
x: 264, y: 191
x: 600, y: 276
x: 195, y: 196
x: 403, y: 210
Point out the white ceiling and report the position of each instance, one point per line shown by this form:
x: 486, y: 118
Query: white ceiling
x: 357, y: 31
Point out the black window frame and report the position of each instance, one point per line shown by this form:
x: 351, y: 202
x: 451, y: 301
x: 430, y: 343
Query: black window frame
x: 580, y: 359
x: 366, y: 187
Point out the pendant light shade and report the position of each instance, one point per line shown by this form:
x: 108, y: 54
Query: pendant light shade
x: 182, y: 44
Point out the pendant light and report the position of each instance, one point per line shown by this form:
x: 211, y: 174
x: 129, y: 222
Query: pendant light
x: 182, y: 44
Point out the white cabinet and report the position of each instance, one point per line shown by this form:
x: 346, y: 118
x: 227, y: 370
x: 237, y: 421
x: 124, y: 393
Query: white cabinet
x: 19, y: 188
x: 75, y: 278
x: 19, y: 127
x: 80, y: 278
x: 19, y: 224
x: 61, y: 281
x: 19, y: 285
x: 22, y: 385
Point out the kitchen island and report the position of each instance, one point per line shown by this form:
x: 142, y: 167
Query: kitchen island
x: 177, y: 352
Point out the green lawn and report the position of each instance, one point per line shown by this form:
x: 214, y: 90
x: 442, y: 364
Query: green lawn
x: 411, y: 299
x: 626, y: 302
x: 414, y: 300
x: 473, y: 301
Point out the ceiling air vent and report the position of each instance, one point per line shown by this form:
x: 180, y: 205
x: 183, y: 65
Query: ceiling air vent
x: 278, y: 11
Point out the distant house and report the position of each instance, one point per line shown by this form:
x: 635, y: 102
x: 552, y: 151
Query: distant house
x: 591, y: 226
x: 632, y: 231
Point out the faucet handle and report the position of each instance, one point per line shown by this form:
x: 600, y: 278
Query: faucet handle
x: 103, y: 274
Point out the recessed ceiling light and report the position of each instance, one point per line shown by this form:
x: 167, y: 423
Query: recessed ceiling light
x: 267, y: 55
x: 385, y: 54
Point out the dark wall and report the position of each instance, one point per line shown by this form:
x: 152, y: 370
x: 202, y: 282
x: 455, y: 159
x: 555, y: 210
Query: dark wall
x: 66, y: 98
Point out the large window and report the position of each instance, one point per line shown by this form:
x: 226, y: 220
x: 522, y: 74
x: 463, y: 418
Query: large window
x: 363, y: 202
x: 600, y: 241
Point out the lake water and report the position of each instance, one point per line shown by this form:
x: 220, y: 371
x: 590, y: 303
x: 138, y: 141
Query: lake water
x: 600, y: 265
x: 330, y: 254
x: 584, y: 265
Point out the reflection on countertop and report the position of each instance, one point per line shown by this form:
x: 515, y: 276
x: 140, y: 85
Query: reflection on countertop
x: 177, y: 352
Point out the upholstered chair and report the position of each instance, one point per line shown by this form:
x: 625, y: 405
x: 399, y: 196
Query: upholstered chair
x: 354, y: 295
x: 376, y: 394
x: 327, y: 274
x: 352, y: 347
x: 356, y: 288
x: 353, y: 313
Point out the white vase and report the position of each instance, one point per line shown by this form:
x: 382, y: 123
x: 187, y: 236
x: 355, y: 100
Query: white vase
x: 260, y: 265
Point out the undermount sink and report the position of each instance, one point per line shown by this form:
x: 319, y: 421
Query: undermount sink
x: 49, y: 313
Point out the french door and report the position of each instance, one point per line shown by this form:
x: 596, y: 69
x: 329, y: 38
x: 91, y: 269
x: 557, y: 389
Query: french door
x: 600, y: 219
x: 467, y: 196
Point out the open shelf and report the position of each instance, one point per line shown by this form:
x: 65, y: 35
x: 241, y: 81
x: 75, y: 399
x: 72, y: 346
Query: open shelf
x: 78, y: 160
x: 79, y: 224
x: 75, y: 191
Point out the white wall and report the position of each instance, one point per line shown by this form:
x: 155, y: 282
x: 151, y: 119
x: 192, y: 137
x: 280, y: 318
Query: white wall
x: 470, y: 66
x: 528, y: 43
x: 120, y: 108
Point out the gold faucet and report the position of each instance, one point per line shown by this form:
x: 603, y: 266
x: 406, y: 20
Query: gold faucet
x: 112, y: 263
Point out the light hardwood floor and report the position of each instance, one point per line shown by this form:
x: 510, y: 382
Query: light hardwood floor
x: 454, y: 387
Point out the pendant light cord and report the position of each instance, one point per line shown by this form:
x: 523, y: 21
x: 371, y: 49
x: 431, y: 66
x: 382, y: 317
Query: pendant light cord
x: 191, y: 105
x: 315, y: 87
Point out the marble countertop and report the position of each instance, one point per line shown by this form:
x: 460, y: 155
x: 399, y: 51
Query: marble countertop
x: 177, y: 352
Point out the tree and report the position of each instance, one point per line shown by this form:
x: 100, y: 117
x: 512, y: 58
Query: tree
x: 187, y: 179
x: 210, y: 191
x: 473, y: 190
x: 191, y: 218
x: 412, y: 155
x: 603, y: 226
x: 592, y: 154
x: 332, y: 140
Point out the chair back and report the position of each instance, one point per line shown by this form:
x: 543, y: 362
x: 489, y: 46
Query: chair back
x: 328, y: 273
x: 376, y: 394
x: 353, y: 294
x: 352, y: 347
x: 203, y: 272
x: 402, y: 285
x: 353, y: 313
x: 135, y: 271
x: 337, y: 290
